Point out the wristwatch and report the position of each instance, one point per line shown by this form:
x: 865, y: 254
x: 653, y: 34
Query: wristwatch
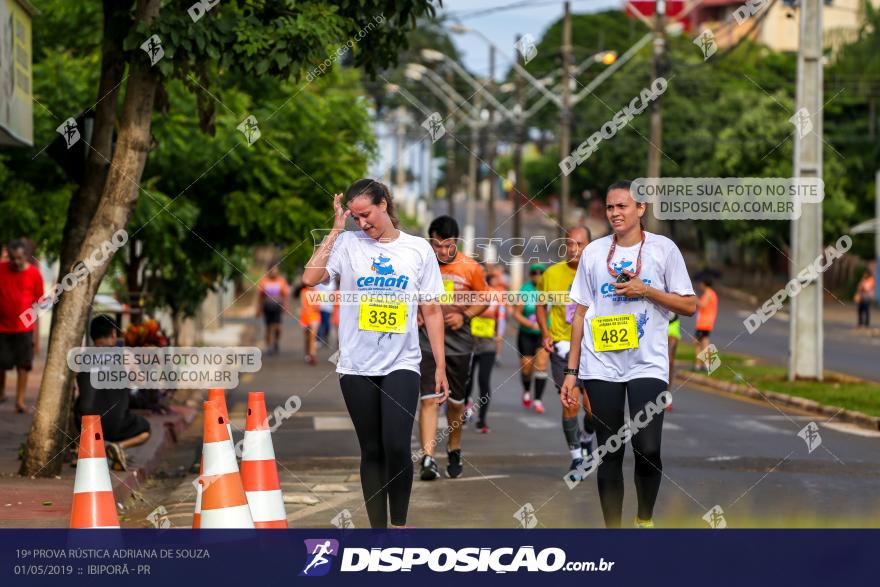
x: 571, y: 372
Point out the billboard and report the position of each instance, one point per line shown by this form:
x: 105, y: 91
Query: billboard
x: 16, y: 106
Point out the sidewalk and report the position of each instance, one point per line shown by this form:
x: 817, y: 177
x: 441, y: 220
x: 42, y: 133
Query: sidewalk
x: 45, y: 502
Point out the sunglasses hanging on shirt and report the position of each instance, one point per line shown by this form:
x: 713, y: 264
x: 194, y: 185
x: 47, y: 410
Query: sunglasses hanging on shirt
x: 622, y: 276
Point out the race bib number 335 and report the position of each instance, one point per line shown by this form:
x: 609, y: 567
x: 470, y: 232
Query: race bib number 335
x: 614, y: 333
x: 383, y: 317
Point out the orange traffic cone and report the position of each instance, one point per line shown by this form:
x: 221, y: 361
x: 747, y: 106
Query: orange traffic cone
x: 217, y: 395
x: 224, y: 503
x: 93, y: 504
x: 197, y: 515
x: 258, y: 469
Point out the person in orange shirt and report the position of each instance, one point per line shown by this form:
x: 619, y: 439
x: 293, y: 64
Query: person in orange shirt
x: 274, y: 293
x: 461, y: 275
x: 865, y: 294
x: 310, y: 320
x: 707, y: 312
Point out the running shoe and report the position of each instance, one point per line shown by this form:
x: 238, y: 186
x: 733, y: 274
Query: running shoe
x: 116, y: 456
x: 454, y: 468
x: 539, y: 406
x: 310, y: 359
x: 643, y: 523
x: 429, y: 469
x: 482, y: 428
x: 576, y: 470
x: 468, y: 413
x: 527, y: 400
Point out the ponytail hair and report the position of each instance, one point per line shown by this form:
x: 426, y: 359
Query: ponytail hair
x: 377, y: 192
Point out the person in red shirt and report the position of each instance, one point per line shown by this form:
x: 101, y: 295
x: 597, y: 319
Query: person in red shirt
x: 707, y: 312
x: 21, y: 286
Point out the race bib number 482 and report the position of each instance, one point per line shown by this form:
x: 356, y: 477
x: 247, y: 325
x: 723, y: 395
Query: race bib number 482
x: 614, y: 333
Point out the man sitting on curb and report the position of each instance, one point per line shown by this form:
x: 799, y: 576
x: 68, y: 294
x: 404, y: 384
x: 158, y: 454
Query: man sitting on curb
x: 122, y: 428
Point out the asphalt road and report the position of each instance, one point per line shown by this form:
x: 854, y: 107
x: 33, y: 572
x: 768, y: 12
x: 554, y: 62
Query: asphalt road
x: 742, y: 456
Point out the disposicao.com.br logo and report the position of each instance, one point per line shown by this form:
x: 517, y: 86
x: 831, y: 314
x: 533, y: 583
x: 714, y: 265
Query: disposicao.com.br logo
x: 444, y: 559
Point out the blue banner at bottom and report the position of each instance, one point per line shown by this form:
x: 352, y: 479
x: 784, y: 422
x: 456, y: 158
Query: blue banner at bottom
x: 365, y: 557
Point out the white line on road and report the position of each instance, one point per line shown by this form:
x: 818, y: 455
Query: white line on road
x: 537, y: 424
x: 323, y: 423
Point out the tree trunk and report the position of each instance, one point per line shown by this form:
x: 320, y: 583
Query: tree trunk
x: 46, y: 439
x: 85, y: 200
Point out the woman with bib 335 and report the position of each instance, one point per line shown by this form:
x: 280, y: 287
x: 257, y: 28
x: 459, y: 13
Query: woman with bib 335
x: 390, y: 272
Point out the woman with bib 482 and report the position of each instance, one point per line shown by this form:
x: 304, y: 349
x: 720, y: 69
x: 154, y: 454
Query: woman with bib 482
x: 391, y: 273
x: 625, y: 286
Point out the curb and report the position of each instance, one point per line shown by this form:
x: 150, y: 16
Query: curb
x: 849, y: 416
x: 165, y: 430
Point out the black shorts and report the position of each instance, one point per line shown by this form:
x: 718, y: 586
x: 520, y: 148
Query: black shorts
x: 558, y: 365
x: 528, y: 343
x: 17, y: 350
x: 458, y: 371
x: 701, y: 334
x: 271, y: 312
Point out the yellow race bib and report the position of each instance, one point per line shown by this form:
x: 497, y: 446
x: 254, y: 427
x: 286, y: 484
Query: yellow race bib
x: 614, y: 333
x: 483, y: 327
x: 449, y: 288
x: 383, y: 316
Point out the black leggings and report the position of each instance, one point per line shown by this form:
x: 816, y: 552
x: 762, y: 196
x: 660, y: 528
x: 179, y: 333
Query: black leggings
x: 485, y: 362
x: 382, y: 409
x: 607, y: 400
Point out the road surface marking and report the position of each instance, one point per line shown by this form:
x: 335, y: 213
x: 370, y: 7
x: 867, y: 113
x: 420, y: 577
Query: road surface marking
x: 756, y: 427
x: 537, y: 423
x: 324, y: 423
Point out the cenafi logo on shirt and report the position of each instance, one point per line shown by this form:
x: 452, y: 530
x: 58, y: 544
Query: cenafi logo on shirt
x: 385, y: 276
x: 319, y: 556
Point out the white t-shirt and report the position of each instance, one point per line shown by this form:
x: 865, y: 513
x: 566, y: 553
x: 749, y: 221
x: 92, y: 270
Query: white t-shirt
x: 663, y: 268
x: 365, y: 265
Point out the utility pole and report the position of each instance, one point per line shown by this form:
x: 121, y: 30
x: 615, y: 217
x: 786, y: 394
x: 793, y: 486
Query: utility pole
x: 451, y: 183
x: 806, y: 333
x: 469, y: 232
x: 658, y: 67
x: 491, y: 147
x: 565, y: 118
x: 876, y: 233
x: 518, y: 140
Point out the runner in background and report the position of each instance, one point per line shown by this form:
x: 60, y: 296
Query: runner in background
x: 866, y: 293
x: 533, y: 358
x: 327, y: 308
x: 272, y: 302
x: 484, y: 328
x: 674, y: 335
x: 707, y: 312
x: 310, y: 320
x: 460, y: 273
x: 500, y: 282
x: 556, y: 341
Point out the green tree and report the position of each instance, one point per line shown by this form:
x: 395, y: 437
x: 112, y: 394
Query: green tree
x: 243, y: 40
